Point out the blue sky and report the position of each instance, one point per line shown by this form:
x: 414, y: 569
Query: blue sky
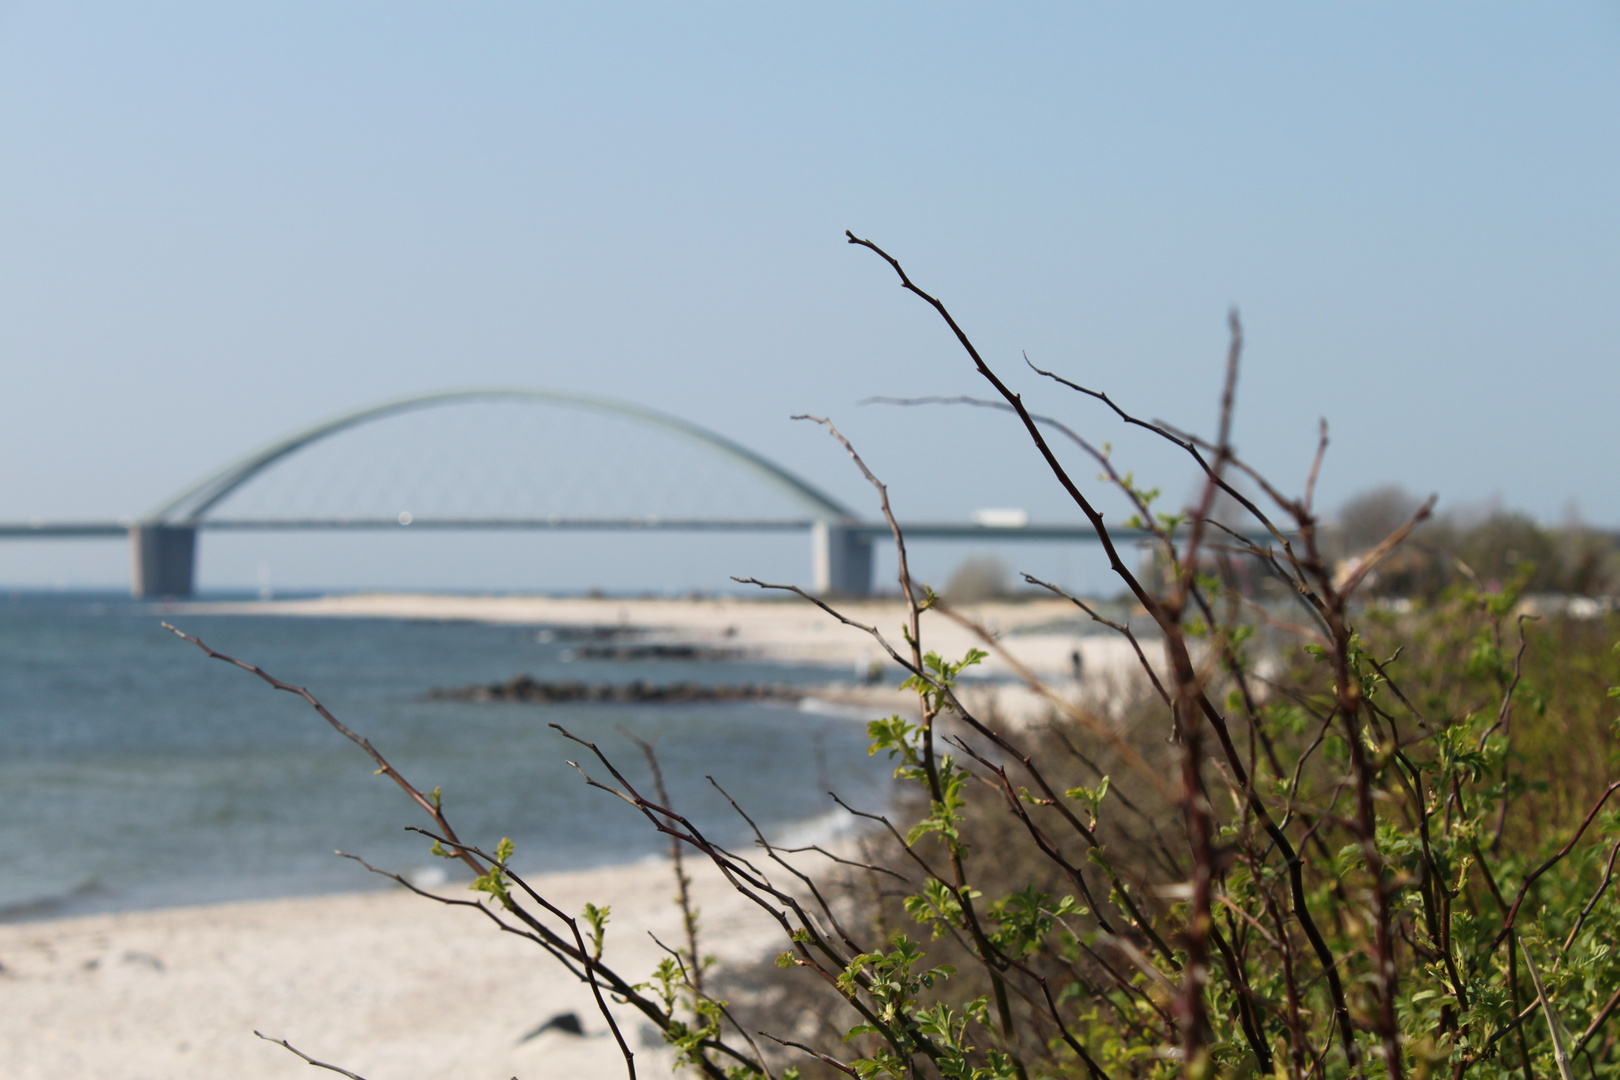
x: 222, y: 222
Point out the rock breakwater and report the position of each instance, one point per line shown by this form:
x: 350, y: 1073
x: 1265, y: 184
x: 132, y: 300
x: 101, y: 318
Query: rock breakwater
x: 526, y: 688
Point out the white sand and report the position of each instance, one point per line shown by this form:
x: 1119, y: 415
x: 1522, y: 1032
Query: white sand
x: 388, y: 985
x: 789, y: 630
x: 785, y: 630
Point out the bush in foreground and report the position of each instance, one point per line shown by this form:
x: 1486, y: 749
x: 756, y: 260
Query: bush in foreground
x: 1328, y: 844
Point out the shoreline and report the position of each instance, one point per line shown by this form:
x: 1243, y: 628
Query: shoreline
x: 828, y: 827
x: 392, y: 985
x: 385, y: 983
x: 1043, y: 634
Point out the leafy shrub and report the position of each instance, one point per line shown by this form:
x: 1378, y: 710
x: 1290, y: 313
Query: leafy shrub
x: 1329, y: 842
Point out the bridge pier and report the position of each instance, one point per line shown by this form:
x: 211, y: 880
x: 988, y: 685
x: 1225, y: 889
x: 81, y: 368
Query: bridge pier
x: 163, y: 560
x: 840, y: 560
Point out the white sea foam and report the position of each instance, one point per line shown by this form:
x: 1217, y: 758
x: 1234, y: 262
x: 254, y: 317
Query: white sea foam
x: 840, y: 709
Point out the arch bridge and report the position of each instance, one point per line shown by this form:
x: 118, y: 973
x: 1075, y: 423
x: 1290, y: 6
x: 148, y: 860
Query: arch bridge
x: 164, y: 543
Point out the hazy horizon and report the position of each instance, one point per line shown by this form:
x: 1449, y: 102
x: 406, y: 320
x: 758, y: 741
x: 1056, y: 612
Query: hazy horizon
x: 223, y: 224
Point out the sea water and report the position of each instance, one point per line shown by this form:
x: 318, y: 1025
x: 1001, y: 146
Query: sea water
x: 136, y: 772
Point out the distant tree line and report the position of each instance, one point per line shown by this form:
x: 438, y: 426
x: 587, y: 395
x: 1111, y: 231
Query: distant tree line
x: 1496, y: 545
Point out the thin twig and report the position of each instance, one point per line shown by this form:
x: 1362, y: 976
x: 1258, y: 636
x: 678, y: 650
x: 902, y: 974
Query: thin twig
x: 307, y: 1059
x: 1597, y: 1022
x: 1556, y: 1029
x: 383, y: 767
x: 683, y: 883
x: 1121, y: 628
x: 817, y: 1054
x: 1513, y: 910
x: 1608, y: 875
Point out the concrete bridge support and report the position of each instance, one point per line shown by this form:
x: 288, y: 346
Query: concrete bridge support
x: 841, y: 560
x: 163, y: 560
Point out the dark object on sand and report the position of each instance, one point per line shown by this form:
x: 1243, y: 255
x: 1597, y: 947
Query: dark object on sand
x: 529, y: 689
x: 566, y: 1022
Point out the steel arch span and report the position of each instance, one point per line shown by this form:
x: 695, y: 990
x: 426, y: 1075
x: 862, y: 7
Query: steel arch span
x: 190, y: 507
x: 164, y: 543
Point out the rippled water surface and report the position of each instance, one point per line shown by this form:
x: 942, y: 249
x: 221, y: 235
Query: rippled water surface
x: 136, y: 772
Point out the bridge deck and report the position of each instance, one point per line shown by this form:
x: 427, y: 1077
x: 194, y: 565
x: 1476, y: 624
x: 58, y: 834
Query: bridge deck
x: 934, y: 530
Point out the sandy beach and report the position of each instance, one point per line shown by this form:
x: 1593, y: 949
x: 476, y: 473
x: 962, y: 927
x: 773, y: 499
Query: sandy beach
x: 787, y: 629
x: 386, y: 984
x: 1039, y: 633
x: 395, y: 987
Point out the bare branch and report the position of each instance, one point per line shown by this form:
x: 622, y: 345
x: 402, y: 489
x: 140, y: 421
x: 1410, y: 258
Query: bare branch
x: 873, y: 867
x: 1513, y: 911
x: 307, y: 1059
x: 1608, y: 876
x: 817, y: 1054
x: 1141, y: 657
x: 906, y: 589
x: 911, y: 666
x: 1387, y: 545
x: 683, y: 897
x: 383, y: 767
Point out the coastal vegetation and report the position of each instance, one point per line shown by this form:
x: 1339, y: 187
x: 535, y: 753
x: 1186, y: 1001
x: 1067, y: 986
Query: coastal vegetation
x: 1357, y: 818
